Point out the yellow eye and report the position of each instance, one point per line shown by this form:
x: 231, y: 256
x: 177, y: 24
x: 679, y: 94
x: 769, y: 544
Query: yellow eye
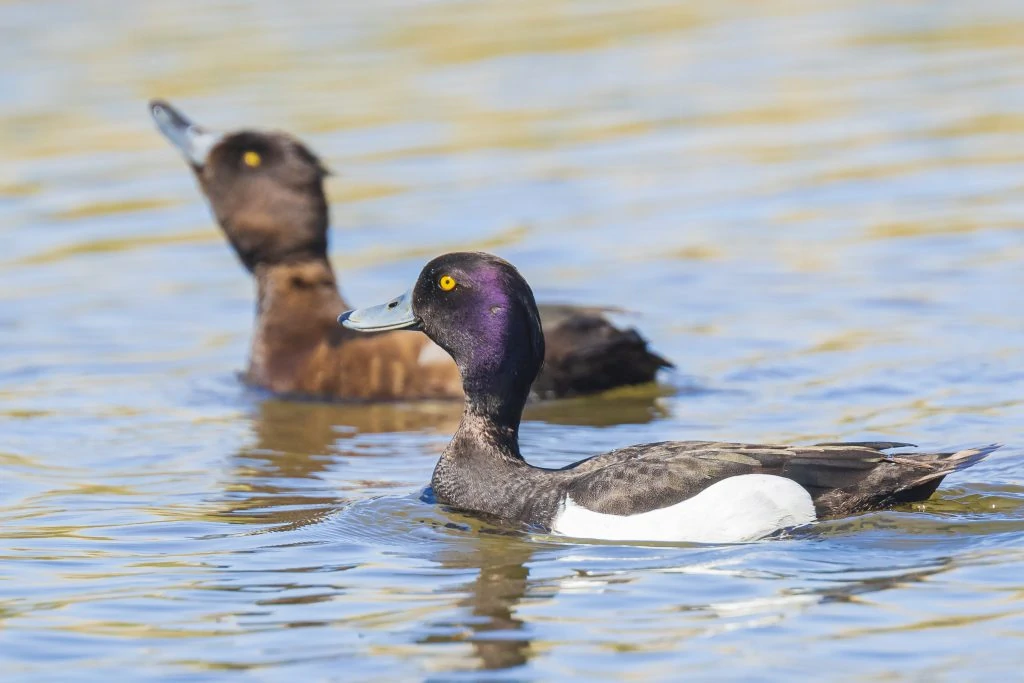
x: 446, y: 283
x: 251, y: 159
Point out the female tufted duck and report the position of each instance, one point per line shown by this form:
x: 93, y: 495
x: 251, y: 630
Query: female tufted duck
x: 266, y: 191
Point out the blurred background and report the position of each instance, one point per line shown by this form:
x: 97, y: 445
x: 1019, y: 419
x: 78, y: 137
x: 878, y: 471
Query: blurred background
x: 815, y: 209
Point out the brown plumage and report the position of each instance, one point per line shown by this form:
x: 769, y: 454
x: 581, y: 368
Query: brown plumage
x: 266, y: 191
x: 298, y: 347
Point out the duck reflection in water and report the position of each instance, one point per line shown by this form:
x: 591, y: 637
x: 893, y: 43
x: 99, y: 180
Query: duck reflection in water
x: 486, y: 618
x: 487, y: 606
x: 280, y: 477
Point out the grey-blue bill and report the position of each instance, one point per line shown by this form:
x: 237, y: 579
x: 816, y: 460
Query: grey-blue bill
x: 192, y: 141
x: 394, y: 315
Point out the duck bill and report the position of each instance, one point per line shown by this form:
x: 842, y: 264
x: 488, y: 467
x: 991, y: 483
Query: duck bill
x: 394, y: 315
x: 192, y: 141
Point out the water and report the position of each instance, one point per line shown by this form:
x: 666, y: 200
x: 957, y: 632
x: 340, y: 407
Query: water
x: 815, y: 209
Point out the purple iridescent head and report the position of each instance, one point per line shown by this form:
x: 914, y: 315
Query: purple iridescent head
x: 479, y: 309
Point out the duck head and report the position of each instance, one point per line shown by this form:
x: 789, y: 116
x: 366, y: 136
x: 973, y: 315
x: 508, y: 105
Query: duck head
x: 479, y: 309
x: 265, y: 189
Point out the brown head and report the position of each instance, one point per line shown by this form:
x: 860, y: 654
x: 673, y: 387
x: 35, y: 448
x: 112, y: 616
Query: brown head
x: 266, y: 189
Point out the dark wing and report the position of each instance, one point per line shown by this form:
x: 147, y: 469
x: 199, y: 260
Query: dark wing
x: 841, y: 478
x: 586, y: 353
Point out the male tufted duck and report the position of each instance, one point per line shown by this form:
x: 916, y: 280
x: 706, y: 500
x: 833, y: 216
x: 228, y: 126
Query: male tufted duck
x: 480, y: 310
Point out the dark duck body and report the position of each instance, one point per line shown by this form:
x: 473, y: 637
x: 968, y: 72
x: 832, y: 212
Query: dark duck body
x: 266, y: 191
x: 480, y: 310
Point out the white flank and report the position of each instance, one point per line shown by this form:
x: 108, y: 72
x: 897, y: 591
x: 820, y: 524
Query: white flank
x: 738, y: 509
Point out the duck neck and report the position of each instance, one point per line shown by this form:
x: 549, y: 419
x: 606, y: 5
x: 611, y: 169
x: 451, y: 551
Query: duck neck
x: 297, y: 305
x: 498, y: 368
x: 496, y: 398
x: 480, y: 434
x: 311, y: 278
x: 497, y: 371
x: 489, y: 429
x: 483, y: 456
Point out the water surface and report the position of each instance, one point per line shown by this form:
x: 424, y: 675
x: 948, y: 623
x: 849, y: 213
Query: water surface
x: 814, y: 208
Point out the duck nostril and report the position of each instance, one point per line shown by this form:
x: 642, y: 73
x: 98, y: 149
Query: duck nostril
x: 393, y: 304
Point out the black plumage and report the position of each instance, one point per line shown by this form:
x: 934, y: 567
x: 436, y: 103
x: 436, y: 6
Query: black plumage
x: 489, y: 324
x: 587, y: 354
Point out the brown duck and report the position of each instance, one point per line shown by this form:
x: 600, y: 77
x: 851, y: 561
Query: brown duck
x: 266, y: 191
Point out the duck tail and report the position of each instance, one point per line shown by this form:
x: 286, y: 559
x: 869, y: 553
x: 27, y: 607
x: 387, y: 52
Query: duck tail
x: 939, y: 464
x: 588, y: 354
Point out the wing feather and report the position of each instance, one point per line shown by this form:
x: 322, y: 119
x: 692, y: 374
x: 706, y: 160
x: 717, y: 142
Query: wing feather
x: 642, y: 478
